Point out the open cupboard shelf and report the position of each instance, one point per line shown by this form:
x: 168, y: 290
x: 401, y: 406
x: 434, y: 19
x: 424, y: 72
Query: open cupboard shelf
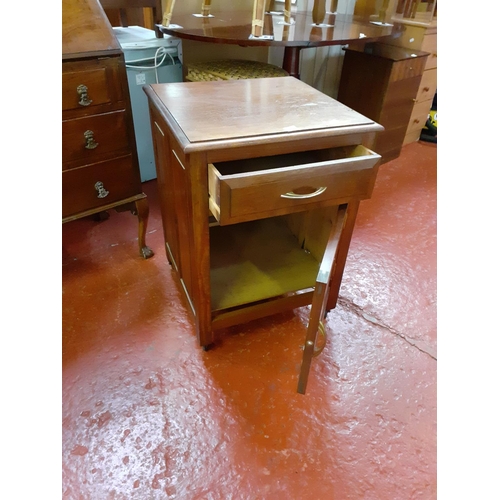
x: 257, y: 260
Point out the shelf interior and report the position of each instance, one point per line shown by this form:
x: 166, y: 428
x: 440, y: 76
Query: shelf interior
x: 257, y: 260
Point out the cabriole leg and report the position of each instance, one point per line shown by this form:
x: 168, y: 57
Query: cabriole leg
x: 142, y: 212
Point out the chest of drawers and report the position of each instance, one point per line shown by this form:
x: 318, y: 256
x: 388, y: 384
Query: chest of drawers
x: 259, y: 184
x: 99, y: 159
x: 381, y: 81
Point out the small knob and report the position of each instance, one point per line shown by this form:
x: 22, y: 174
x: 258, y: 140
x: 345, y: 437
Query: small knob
x: 426, y: 89
x: 89, y: 138
x: 83, y: 93
x: 101, y: 191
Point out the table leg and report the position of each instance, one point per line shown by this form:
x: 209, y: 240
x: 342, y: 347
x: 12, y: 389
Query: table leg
x: 291, y: 61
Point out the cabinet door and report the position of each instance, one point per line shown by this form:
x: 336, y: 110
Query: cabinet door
x: 165, y: 188
x: 174, y: 193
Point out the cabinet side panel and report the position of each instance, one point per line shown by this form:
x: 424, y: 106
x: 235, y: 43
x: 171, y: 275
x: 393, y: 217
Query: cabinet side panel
x: 364, y: 77
x: 165, y: 184
x: 181, y: 213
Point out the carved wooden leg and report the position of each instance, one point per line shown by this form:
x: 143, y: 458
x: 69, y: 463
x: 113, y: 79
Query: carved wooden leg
x: 142, y: 211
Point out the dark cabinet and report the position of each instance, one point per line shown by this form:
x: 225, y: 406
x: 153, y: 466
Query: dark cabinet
x: 381, y: 82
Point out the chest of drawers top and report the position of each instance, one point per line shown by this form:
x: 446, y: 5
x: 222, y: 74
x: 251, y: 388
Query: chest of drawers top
x: 86, y: 30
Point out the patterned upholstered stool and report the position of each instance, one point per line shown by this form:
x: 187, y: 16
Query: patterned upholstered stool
x: 231, y: 69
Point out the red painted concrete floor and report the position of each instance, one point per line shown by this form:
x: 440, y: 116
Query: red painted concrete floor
x: 148, y: 415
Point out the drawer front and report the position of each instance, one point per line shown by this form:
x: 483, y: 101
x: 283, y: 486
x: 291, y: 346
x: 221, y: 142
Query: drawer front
x: 408, y: 68
x: 390, y: 140
x: 396, y: 116
x: 89, y: 84
x: 268, y: 191
x: 419, y: 116
x: 413, y: 136
x: 92, y: 137
x: 402, y: 92
x: 428, y: 86
x: 399, y: 102
x: 430, y: 45
x: 80, y: 193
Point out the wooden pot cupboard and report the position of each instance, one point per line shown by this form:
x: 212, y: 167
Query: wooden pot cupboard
x: 100, y: 169
x: 259, y: 183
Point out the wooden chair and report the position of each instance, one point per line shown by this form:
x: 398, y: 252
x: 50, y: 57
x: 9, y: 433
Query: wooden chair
x: 229, y: 69
x: 146, y: 13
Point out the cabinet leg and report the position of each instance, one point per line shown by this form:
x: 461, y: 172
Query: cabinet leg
x: 142, y: 212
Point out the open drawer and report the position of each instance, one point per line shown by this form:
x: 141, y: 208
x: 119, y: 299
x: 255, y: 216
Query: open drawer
x: 262, y: 187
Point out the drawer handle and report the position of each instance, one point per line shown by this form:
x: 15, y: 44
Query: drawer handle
x: 89, y: 138
x: 300, y: 196
x: 426, y: 89
x: 101, y: 191
x: 83, y: 93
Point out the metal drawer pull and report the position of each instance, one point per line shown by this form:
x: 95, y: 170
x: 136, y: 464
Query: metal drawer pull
x: 83, y: 93
x: 298, y: 196
x: 89, y: 137
x: 101, y: 191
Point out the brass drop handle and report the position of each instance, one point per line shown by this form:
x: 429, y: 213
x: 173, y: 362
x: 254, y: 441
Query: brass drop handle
x: 83, y: 93
x: 298, y: 196
x: 426, y: 89
x: 89, y: 138
x: 101, y: 191
x: 416, y: 120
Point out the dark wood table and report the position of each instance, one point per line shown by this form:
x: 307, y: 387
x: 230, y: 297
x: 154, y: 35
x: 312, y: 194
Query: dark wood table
x: 235, y: 27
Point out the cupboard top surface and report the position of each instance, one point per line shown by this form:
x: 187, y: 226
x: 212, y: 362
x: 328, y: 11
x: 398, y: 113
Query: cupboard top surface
x: 85, y: 28
x: 253, y: 110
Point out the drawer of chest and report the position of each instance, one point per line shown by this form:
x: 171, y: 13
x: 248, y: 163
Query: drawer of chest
x: 430, y: 45
x: 419, y: 116
x: 98, y: 184
x: 399, y: 101
x: 409, y: 68
x: 92, y: 137
x: 428, y: 86
x: 263, y: 187
x: 86, y: 85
